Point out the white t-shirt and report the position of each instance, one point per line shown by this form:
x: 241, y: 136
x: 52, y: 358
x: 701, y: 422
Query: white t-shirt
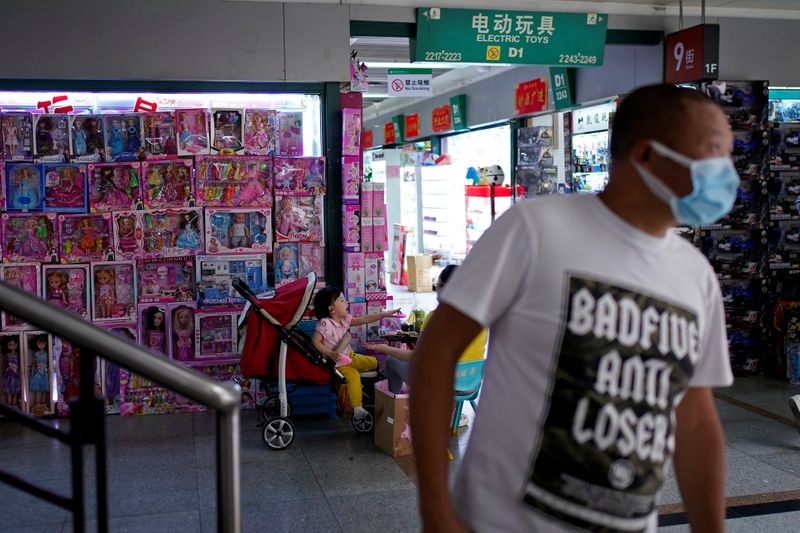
x: 596, y: 331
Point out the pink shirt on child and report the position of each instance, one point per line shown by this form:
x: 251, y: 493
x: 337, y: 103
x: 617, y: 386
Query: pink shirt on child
x: 332, y: 332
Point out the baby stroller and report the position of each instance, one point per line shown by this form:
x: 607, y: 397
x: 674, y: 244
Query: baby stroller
x: 275, y: 348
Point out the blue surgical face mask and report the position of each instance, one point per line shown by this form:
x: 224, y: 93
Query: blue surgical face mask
x: 714, y: 184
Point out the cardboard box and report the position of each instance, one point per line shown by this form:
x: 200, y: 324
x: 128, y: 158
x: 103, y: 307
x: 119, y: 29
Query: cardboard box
x: 419, y: 273
x: 391, y: 420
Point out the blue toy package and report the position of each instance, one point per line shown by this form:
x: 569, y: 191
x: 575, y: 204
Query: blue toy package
x: 24, y: 187
x: 215, y: 275
x: 793, y: 363
x: 123, y: 136
x: 238, y: 230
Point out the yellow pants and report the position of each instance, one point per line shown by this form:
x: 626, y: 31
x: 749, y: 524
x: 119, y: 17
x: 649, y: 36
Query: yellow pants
x: 351, y: 372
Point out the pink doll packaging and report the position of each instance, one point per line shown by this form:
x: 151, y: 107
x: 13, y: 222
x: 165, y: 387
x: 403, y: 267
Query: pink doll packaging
x: 236, y: 231
x: 312, y: 259
x: 378, y: 196
x: 354, y: 276
x: 379, y: 234
x: 215, y: 275
x: 227, y: 131
x: 375, y: 282
x: 114, y: 186
x: 153, y: 328
x: 299, y: 175
x: 167, y: 184
x: 367, y: 234
x: 113, y: 291
x: 290, y: 142
x: 298, y: 218
x: 230, y: 181
x: 25, y: 276
x: 24, y: 187
x: 65, y: 188
x: 171, y: 232
x: 110, y: 373
x: 51, y: 138
x: 359, y: 333
x: 17, y: 134
x: 30, y: 237
x: 215, y: 335
x: 166, y: 280
x: 67, y: 286
x: 2, y: 187
x: 192, y: 128
x: 181, y: 330
x: 84, y: 238
x: 87, y: 138
x: 351, y: 134
x: 160, y: 141
x: 11, y: 366
x: 287, y: 266
x: 123, y: 137
x: 38, y: 373
x: 260, y: 132
x: 367, y: 196
x: 127, y: 231
x: 351, y: 227
x: 351, y: 178
x: 66, y: 365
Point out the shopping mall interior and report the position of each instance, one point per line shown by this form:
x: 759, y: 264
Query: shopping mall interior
x: 168, y: 216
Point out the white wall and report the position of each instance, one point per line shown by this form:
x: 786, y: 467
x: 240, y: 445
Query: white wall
x: 174, y: 40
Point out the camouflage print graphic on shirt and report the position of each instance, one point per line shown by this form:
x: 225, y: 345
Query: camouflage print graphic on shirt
x: 623, y: 363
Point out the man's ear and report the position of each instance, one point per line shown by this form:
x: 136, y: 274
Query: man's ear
x: 641, y: 152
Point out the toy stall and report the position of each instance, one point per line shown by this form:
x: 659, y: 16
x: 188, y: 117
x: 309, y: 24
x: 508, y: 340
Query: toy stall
x: 136, y: 212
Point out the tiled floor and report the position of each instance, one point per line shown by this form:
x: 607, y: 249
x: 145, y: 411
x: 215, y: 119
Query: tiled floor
x: 161, y: 474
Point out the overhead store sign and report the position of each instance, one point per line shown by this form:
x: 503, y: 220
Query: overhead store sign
x: 530, y: 97
x: 367, y: 139
x: 458, y: 111
x: 412, y: 126
x: 692, y: 54
x: 399, y: 124
x: 388, y: 133
x: 520, y: 37
x: 410, y: 82
x: 591, y: 119
x: 441, y: 119
x: 561, y: 79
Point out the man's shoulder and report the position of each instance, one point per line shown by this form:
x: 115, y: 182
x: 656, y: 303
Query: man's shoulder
x: 552, y: 206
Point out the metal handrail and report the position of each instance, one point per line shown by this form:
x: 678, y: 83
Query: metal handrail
x: 224, y: 397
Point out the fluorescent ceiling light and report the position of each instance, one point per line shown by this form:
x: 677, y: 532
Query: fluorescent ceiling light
x: 374, y: 96
x: 390, y: 64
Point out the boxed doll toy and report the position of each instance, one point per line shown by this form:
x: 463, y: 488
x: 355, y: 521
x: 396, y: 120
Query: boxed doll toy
x: 17, y: 133
x: 215, y: 274
x: 215, y: 335
x: 299, y: 176
x: 181, y: 330
x: 290, y: 142
x: 238, y: 230
x: 25, y: 276
x: 354, y: 276
x: 227, y: 131
x: 51, y: 138
x: 192, y: 131
x: 38, y: 373
x: 123, y: 134
x: 11, y: 365
x: 152, y: 320
x: 66, y: 365
x: 67, y: 286
x: 224, y: 181
x: 159, y: 135
x: 166, y: 280
x: 127, y: 234
x: 298, y: 218
x: 114, y: 291
x: 84, y: 238
x: 287, y: 268
x: 312, y: 259
x: 24, y: 187
x: 88, y: 138
x: 351, y: 134
x: 114, y: 186
x: 261, y: 132
x: 65, y: 188
x: 30, y: 237
x: 111, y: 374
x: 171, y: 232
x: 2, y: 186
x: 167, y: 184
x: 351, y: 228
x: 351, y: 178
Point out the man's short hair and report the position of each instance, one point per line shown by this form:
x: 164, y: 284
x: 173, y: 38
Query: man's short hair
x: 654, y: 112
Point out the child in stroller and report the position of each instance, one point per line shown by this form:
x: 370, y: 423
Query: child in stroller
x: 331, y: 339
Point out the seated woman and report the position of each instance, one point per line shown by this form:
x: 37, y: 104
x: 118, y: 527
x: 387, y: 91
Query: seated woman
x: 399, y: 362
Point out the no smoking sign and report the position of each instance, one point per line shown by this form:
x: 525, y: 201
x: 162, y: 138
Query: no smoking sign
x: 398, y: 86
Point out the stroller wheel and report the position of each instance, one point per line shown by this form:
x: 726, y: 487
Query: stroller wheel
x: 365, y: 423
x: 272, y: 409
x: 278, y: 433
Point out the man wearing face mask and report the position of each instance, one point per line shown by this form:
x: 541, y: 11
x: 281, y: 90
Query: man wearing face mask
x: 607, y: 333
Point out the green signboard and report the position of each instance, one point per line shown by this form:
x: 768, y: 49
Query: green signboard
x: 561, y: 80
x: 458, y: 111
x: 519, y: 37
x: 399, y: 122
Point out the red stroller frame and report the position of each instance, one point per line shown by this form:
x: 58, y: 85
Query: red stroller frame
x: 272, y: 330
